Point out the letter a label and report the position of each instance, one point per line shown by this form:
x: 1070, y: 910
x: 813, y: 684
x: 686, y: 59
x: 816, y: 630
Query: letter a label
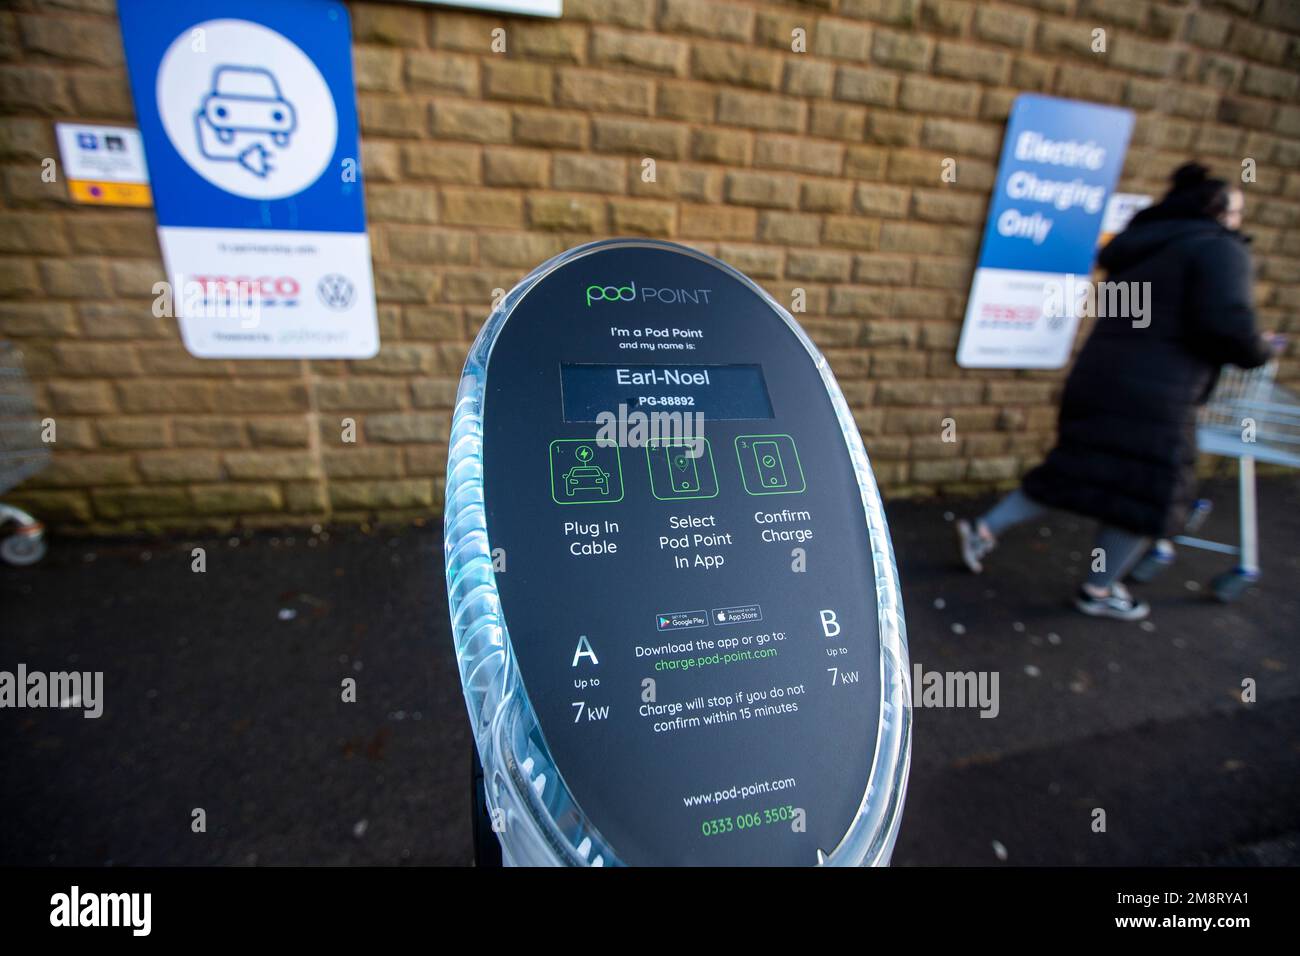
x: 584, y: 650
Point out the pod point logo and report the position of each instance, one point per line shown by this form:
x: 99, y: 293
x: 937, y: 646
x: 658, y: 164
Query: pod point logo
x: 611, y: 293
x: 628, y: 293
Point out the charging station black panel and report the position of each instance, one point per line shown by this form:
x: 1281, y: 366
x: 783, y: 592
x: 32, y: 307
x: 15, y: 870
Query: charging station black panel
x: 693, y: 615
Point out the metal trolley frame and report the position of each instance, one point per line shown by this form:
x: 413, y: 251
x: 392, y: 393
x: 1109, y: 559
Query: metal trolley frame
x: 1247, y: 417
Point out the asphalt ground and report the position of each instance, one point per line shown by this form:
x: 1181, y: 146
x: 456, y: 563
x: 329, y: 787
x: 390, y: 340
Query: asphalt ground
x: 223, y: 693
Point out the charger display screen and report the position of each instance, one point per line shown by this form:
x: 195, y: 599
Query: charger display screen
x: 718, y: 392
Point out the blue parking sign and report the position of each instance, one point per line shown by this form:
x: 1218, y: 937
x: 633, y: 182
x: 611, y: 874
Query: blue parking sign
x: 248, y: 115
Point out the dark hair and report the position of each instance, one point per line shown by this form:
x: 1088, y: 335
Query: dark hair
x: 1194, y: 190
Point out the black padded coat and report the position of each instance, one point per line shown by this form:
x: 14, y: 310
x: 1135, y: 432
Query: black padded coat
x: 1126, y: 437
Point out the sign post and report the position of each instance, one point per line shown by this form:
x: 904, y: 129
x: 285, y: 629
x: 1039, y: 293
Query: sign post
x: 1060, y: 161
x: 249, y: 121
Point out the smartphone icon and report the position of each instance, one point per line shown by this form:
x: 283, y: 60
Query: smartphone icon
x: 683, y: 469
x: 771, y: 470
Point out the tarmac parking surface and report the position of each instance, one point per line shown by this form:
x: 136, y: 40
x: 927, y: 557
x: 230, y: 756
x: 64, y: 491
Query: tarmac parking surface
x: 222, y: 692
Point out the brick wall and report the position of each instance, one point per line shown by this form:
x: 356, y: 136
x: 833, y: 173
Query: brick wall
x: 817, y: 170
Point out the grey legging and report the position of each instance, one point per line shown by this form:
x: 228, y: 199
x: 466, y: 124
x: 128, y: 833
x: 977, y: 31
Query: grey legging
x: 1122, y: 549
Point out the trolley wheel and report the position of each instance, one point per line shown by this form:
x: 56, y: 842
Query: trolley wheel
x: 1230, y: 585
x: 487, y: 847
x: 22, y: 549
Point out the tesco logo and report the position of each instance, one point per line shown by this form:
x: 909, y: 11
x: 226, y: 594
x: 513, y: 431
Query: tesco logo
x: 997, y: 312
x: 281, y: 287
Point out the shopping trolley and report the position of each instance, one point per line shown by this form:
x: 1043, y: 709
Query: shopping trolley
x: 22, y: 454
x: 1250, y: 418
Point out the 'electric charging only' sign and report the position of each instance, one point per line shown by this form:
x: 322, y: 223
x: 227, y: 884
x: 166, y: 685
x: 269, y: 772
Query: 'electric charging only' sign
x: 1060, y: 162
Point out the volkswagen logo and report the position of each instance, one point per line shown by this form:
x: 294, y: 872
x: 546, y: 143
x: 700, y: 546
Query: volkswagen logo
x: 336, y: 291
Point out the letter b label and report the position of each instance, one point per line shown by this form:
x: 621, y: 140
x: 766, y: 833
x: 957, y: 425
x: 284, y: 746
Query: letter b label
x: 830, y: 626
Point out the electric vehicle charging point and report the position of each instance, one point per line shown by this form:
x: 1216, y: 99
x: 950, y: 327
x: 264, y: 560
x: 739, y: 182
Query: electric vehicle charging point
x: 676, y: 646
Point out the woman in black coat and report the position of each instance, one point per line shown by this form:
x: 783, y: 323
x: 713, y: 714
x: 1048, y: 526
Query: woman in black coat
x: 1126, y: 436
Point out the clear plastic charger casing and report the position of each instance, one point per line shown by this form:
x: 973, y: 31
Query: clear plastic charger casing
x: 536, y: 817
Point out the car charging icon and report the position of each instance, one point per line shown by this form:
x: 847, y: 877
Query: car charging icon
x: 243, y: 113
x: 585, y: 476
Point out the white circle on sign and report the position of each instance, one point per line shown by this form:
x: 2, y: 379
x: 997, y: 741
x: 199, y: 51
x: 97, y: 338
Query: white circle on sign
x: 246, y: 109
